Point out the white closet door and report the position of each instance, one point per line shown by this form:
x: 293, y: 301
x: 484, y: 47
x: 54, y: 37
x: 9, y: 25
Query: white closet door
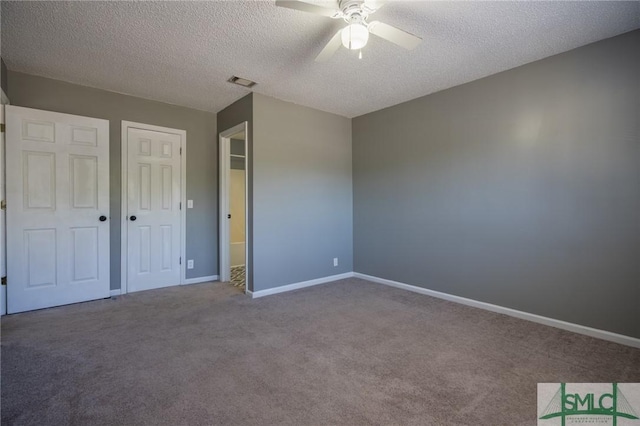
x: 153, y: 203
x: 57, y: 209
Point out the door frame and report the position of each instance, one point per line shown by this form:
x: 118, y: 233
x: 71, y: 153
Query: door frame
x: 3, y: 217
x: 224, y: 238
x: 124, y: 243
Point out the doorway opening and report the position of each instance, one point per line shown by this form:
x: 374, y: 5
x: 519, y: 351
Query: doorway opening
x: 234, y: 246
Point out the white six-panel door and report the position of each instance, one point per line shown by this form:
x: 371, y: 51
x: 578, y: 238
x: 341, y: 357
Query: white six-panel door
x: 153, y: 216
x: 57, y: 208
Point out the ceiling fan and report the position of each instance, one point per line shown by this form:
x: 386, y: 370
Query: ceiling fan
x: 356, y: 34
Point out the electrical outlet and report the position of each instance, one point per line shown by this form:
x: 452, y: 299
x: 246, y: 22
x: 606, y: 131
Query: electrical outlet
x: 190, y: 264
x: 335, y: 261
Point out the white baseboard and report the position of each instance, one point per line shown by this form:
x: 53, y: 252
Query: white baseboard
x: 576, y: 328
x: 200, y: 280
x: 296, y: 286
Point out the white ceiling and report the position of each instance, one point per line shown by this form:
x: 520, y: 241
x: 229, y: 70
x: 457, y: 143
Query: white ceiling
x: 183, y: 52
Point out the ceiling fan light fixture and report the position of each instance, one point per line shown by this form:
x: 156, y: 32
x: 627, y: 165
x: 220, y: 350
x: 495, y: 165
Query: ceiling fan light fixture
x: 355, y: 36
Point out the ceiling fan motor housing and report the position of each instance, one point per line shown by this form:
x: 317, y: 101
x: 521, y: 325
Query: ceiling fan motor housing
x: 353, y: 11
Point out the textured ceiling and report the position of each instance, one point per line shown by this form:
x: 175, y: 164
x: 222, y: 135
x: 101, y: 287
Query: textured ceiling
x: 183, y: 52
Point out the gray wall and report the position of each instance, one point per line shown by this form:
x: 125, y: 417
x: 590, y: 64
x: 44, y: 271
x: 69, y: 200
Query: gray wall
x: 521, y: 189
x: 3, y: 66
x: 53, y: 95
x: 4, y: 81
x: 236, y: 113
x: 302, y: 211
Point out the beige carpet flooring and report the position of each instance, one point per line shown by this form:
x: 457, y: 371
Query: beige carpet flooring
x: 343, y: 353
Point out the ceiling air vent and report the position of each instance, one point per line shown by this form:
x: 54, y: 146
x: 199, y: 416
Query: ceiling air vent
x: 241, y: 81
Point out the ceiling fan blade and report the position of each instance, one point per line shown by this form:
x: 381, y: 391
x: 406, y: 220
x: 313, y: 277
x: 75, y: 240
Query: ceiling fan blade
x: 331, y: 48
x: 308, y: 7
x: 394, y: 35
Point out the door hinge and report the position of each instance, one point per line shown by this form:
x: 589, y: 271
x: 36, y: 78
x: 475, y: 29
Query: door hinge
x: 180, y: 205
x: 2, y: 127
x: 180, y: 150
x: 181, y: 260
x: 4, y: 280
x: 3, y: 205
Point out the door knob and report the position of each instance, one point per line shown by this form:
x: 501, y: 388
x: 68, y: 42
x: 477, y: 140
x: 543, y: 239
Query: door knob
x: 103, y: 218
x: 132, y: 218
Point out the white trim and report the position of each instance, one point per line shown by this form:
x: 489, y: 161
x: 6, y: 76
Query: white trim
x: 183, y: 198
x: 199, y: 280
x: 3, y: 236
x: 115, y: 292
x: 296, y: 286
x: 576, y: 328
x: 224, y: 166
x: 247, y: 241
